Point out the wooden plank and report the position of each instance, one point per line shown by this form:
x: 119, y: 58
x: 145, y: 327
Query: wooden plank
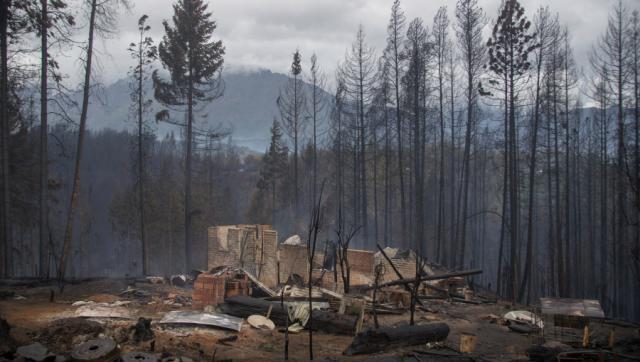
x: 258, y: 283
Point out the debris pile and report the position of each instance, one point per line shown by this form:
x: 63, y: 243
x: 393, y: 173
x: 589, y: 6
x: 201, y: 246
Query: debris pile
x: 256, y: 292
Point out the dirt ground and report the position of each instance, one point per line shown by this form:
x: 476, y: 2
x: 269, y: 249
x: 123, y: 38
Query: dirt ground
x: 33, y: 317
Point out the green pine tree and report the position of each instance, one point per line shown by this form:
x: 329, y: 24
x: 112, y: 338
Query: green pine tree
x: 510, y: 44
x: 194, y: 62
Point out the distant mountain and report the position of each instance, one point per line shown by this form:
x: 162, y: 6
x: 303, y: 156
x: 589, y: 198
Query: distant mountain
x: 247, y: 107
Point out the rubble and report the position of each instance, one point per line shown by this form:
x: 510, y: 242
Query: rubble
x: 138, y: 356
x: 251, y: 279
x: 6, y: 342
x: 251, y: 247
x: 104, y: 310
x: 155, y: 280
x: 137, y: 294
x: 208, y: 289
x: 142, y: 330
x: 177, y: 359
x: 328, y: 322
x: 101, y: 349
x: 546, y: 352
x: 524, y: 317
x: 225, y: 341
x: 35, y: 352
x: 178, y: 280
x: 60, y: 333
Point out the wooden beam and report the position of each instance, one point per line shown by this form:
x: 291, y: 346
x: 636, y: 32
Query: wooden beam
x: 407, y: 287
x: 429, y: 277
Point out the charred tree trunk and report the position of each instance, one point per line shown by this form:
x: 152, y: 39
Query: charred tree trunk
x: 4, y: 135
x: 75, y: 190
x: 44, y: 127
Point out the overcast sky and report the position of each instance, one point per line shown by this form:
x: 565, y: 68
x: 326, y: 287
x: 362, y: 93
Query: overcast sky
x: 264, y: 33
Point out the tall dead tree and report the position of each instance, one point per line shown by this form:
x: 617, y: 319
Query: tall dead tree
x: 102, y: 20
x: 317, y: 82
x: 44, y: 129
x: 441, y: 50
x: 392, y: 53
x: 544, y: 26
x: 358, y: 74
x: 471, y: 22
x: 145, y: 53
x: 612, y: 54
x: 337, y: 117
x: 453, y: 223
x: 315, y: 224
x: 291, y: 103
x: 4, y: 135
x: 635, y: 170
x: 568, y: 82
x: 54, y: 25
x: 417, y: 50
x: 385, y: 90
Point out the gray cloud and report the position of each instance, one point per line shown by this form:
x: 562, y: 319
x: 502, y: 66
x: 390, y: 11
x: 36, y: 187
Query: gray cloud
x: 264, y: 34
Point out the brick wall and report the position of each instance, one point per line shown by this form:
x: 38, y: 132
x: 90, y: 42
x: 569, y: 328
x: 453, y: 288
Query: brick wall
x: 258, y: 256
x: 220, y: 252
x: 293, y: 260
x: 361, y: 261
x: 267, y: 258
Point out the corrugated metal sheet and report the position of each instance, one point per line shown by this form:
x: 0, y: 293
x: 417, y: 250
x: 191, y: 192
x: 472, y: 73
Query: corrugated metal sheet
x: 204, y: 319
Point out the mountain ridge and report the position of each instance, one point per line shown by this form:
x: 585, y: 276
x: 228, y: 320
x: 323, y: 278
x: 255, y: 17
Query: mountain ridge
x: 247, y: 108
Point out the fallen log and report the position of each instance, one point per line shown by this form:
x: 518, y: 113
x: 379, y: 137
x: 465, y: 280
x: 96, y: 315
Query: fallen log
x: 328, y: 322
x: 462, y: 300
x: 244, y: 306
x: 383, y: 339
x: 428, y: 277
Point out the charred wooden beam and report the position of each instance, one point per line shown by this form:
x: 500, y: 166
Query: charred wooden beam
x: 383, y: 339
x: 406, y: 286
x: 429, y: 277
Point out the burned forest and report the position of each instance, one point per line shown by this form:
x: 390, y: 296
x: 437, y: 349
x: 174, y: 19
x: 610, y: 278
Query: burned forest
x: 200, y: 180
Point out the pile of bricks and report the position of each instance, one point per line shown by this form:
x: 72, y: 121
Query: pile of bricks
x: 209, y: 289
x: 237, y: 286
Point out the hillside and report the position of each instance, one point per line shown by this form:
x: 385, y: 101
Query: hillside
x: 247, y: 107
